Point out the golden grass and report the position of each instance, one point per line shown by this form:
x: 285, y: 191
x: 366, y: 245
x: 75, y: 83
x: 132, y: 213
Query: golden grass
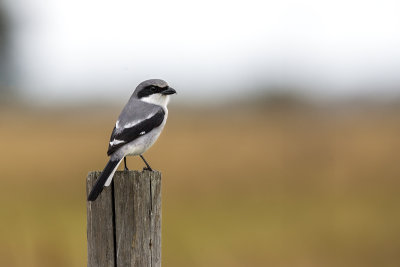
x: 298, y: 188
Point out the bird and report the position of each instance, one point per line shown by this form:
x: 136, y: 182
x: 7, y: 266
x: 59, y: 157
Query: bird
x: 137, y: 128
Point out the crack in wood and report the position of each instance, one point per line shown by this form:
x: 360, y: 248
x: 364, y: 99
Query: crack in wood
x: 124, y: 223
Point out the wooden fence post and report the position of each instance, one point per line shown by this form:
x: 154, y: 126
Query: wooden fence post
x: 124, y: 223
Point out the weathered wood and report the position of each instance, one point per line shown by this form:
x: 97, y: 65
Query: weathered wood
x: 135, y: 232
x: 100, y: 226
x: 156, y: 219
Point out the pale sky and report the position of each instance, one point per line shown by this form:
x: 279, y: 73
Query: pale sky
x: 73, y: 50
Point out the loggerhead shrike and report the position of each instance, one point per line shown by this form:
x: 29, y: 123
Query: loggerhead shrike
x: 137, y: 128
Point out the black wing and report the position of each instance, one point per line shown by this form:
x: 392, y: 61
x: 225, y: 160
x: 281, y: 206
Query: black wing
x: 127, y: 135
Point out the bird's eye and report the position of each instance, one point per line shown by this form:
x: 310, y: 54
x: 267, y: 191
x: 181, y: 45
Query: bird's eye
x: 153, y: 89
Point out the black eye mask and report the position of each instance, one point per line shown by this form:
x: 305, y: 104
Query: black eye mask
x: 150, y: 90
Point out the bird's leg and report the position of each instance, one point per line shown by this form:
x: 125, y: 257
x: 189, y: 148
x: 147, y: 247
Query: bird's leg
x: 126, y: 167
x: 145, y: 162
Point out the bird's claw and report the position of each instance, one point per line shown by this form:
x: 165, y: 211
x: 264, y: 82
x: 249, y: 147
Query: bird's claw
x: 147, y: 169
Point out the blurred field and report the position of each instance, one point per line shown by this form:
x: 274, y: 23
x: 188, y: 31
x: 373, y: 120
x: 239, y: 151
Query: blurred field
x: 301, y: 187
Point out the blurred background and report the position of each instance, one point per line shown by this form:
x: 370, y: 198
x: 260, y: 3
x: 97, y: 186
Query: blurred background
x: 282, y: 145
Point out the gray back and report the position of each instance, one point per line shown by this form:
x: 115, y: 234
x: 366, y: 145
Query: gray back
x: 136, y: 111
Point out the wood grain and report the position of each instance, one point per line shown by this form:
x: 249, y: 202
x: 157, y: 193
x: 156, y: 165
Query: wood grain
x: 135, y: 202
x: 100, y: 226
x: 156, y: 219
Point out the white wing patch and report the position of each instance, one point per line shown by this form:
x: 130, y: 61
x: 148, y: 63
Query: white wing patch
x: 116, y: 142
x: 142, y: 133
x: 130, y: 124
x: 133, y: 123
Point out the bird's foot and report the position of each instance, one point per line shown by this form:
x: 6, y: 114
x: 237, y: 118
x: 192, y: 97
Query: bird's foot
x: 125, y: 167
x: 147, y: 169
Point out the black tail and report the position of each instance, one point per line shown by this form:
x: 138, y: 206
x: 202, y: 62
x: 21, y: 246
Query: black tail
x: 98, y: 187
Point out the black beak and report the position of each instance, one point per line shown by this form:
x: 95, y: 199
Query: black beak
x: 169, y: 91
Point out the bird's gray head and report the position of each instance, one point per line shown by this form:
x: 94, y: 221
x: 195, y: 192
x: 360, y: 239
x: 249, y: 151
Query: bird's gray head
x: 154, y: 91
